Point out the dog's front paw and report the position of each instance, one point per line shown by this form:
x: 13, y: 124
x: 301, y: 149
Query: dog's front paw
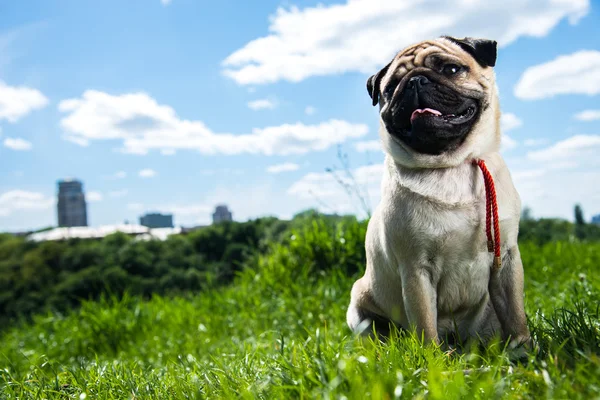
x: 523, y: 341
x: 519, y: 348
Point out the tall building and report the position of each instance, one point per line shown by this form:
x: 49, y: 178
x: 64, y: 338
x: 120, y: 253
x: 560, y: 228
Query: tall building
x: 596, y: 219
x: 71, y: 206
x: 156, y: 220
x: 221, y: 213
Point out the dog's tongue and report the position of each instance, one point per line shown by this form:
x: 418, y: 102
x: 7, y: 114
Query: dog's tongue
x: 420, y: 111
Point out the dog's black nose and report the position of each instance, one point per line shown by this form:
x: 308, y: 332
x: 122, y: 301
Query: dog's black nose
x: 417, y: 81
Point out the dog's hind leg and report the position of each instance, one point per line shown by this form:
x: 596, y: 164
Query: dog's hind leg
x: 364, y: 317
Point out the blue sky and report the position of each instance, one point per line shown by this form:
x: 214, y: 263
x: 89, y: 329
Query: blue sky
x: 179, y: 105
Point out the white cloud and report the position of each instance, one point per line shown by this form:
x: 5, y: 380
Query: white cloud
x: 553, y: 191
x: 577, y: 73
x: 310, y: 110
x: 509, y: 121
x: 341, y: 193
x: 118, y: 193
x: 17, y: 144
x: 575, y: 148
x: 165, y: 2
x: 368, y: 145
x: 168, y: 152
x: 550, y: 186
x: 285, y: 167
x: 93, y: 196
x: 362, y: 35
x: 141, y: 124
x: 22, y: 200
x: 552, y: 180
x: 147, y: 173
x: 507, y: 143
x: 528, y: 174
x: 78, y: 140
x: 535, y: 142
x: 262, y: 104
x: 588, y: 115
x: 18, y: 101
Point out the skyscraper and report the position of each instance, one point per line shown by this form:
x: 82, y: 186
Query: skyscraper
x: 157, y: 220
x: 221, y: 213
x: 72, y: 209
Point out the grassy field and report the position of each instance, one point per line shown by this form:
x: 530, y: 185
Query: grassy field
x: 279, y: 332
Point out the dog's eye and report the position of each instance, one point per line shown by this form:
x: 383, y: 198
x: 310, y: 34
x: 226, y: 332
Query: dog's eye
x: 389, y: 89
x: 451, y: 69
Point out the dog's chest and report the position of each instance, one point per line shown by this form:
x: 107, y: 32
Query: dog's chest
x: 439, y: 210
x: 452, y: 247
x: 441, y: 235
x: 439, y: 224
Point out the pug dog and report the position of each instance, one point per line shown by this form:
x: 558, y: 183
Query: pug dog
x: 429, y: 267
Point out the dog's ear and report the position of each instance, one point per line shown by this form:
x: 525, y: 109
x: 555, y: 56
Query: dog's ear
x: 484, y: 51
x: 373, y: 84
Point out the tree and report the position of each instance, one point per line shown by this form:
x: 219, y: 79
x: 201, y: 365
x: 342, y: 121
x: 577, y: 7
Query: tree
x: 580, y: 231
x: 579, y: 220
x: 526, y: 214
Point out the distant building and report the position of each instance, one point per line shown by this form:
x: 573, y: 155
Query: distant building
x: 596, y: 219
x: 157, y: 220
x: 88, y: 233
x: 190, y: 229
x: 71, y: 205
x: 221, y: 214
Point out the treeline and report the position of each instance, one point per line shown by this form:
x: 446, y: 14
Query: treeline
x: 544, y: 230
x: 547, y: 230
x: 38, y: 277
x: 57, y: 275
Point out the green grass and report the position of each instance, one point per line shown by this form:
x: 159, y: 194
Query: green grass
x: 279, y: 332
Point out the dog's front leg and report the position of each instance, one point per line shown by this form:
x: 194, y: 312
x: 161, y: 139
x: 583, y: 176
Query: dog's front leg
x: 506, y: 293
x: 420, y: 302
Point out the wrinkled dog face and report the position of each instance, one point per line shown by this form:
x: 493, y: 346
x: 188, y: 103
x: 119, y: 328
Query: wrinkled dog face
x: 438, y: 102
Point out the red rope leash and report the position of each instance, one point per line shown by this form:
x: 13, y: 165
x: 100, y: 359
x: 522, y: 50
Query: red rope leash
x: 491, y: 213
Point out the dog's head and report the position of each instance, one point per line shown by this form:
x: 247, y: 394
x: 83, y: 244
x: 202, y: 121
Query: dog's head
x: 438, y: 102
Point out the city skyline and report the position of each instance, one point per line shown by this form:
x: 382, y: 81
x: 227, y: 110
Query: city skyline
x: 71, y: 210
x: 155, y: 218
x: 177, y: 106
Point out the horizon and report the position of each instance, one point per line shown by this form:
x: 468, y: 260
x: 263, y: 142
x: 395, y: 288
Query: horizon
x: 177, y: 106
x: 150, y: 212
